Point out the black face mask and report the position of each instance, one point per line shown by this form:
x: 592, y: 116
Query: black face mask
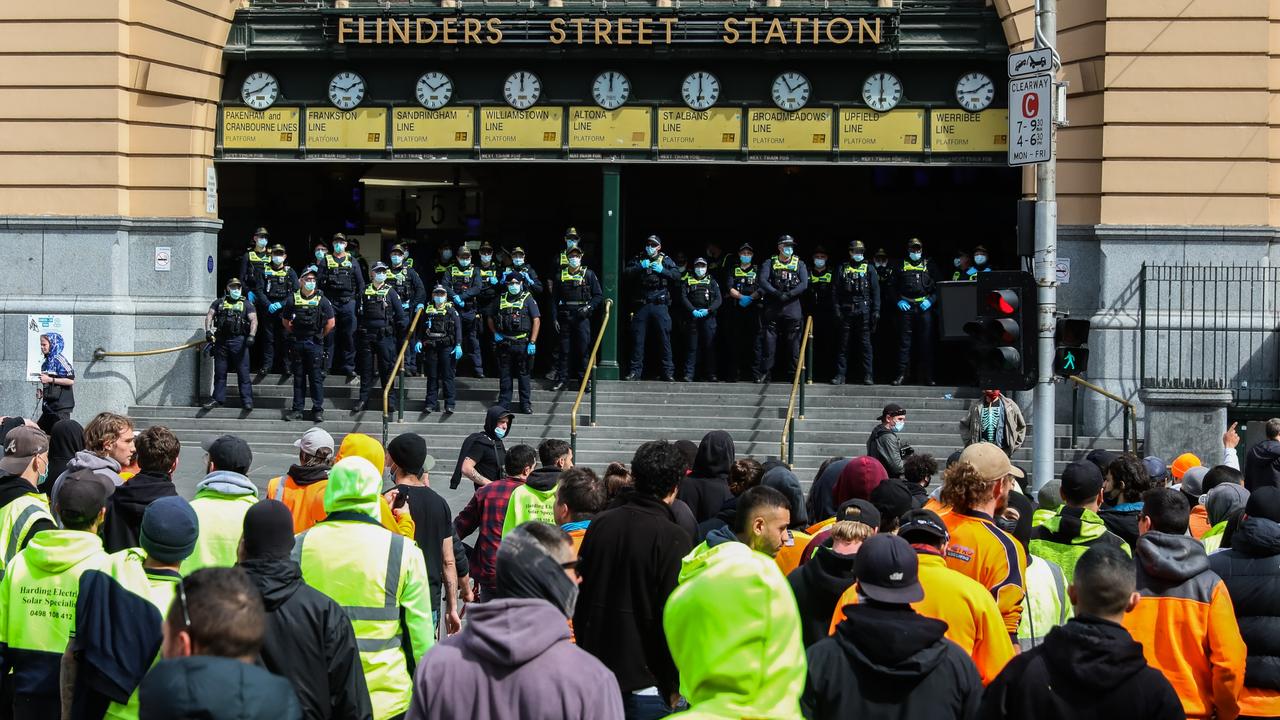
x: 1006, y: 524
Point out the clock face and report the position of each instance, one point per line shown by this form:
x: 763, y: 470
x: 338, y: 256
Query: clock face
x: 700, y: 89
x: 791, y: 91
x: 881, y: 91
x: 434, y: 90
x: 346, y: 90
x: 975, y: 91
x: 611, y: 89
x: 522, y: 89
x: 260, y: 90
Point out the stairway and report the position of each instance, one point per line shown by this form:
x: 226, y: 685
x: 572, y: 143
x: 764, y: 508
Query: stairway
x: 837, y: 419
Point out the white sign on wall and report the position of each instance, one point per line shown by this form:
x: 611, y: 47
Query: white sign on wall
x: 164, y: 259
x: 1031, y: 120
x: 1062, y: 272
x: 57, y: 326
x: 210, y: 190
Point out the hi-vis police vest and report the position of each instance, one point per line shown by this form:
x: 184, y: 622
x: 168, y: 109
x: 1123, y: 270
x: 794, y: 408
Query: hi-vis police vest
x: 439, y: 325
x: 744, y: 281
x: 513, y: 321
x: 231, y: 319
x: 306, y: 315
x: 699, y: 291
x: 374, y: 312
x: 340, y: 279
x: 573, y: 287
x: 914, y: 281
x: 785, y: 276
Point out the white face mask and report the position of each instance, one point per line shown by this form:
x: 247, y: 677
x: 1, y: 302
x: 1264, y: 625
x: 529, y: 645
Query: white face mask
x: 464, y: 263
x: 486, y: 257
x: 446, y: 254
x: 575, y: 262
x: 858, y: 257
x: 700, y: 271
x: 980, y: 259
x: 277, y: 259
x: 260, y: 242
x: 915, y: 256
x: 380, y: 277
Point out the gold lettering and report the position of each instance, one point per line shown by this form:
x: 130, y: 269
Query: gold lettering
x: 816, y: 23
x: 378, y: 37
x: 449, y: 26
x: 603, y: 27
x: 396, y: 29
x: 577, y: 24
x: 470, y: 31
x: 494, y: 26
x: 753, y: 22
x: 670, y: 22
x: 799, y: 23
x: 423, y: 37
x: 864, y: 28
x: 848, y: 27
x: 642, y: 32
x: 557, y: 30
x: 730, y: 34
x: 622, y: 31
x: 775, y: 30
x: 344, y: 27
x: 360, y: 38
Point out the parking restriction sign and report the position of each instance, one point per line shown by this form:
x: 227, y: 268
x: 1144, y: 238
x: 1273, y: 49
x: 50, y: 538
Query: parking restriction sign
x: 1030, y: 119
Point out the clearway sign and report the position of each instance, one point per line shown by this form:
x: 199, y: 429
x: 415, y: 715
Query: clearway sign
x: 1031, y: 119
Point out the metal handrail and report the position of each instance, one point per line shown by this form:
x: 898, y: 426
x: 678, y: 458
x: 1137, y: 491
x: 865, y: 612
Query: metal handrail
x: 394, y: 377
x: 586, y: 379
x: 1130, y: 412
x: 100, y: 353
x: 787, y: 445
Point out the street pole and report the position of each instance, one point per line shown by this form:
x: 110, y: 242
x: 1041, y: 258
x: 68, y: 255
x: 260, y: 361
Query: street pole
x: 1045, y: 263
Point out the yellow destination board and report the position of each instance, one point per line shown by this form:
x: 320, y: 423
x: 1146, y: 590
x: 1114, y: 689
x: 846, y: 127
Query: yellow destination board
x: 359, y: 129
x: 865, y: 130
x: 272, y: 129
x: 770, y: 129
x: 504, y: 128
x: 685, y: 129
x: 595, y: 128
x: 416, y: 128
x: 960, y: 131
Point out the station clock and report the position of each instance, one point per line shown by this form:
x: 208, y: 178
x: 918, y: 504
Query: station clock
x: 975, y: 91
x: 346, y: 90
x: 882, y: 91
x: 700, y: 90
x: 611, y: 89
x: 260, y: 90
x: 434, y: 90
x: 791, y: 91
x: 522, y: 89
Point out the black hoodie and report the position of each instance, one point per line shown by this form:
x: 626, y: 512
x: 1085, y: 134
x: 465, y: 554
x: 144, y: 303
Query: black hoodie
x: 543, y: 478
x: 706, y: 488
x: 485, y: 448
x: 1252, y: 574
x: 215, y: 688
x: 123, y: 522
x: 309, y: 641
x: 1262, y: 465
x: 889, y: 662
x: 1088, y: 668
x: 818, y: 586
x: 13, y: 487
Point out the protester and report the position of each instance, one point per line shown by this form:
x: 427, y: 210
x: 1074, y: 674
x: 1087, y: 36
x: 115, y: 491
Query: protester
x: 856, y: 510
x: 706, y: 488
x: 1048, y: 502
x: 994, y: 418
x: 1157, y: 470
x: 301, y: 489
x: 157, y: 449
x: 1181, y: 464
x: 892, y: 498
x: 1090, y: 667
x: 482, y: 457
x: 24, y: 511
x: 1062, y: 538
x: 1192, y: 488
x: 1102, y: 458
x: 795, y: 539
x: 1126, y: 482
x: 885, y: 443
x: 886, y: 661
x: 66, y: 439
x: 1223, y: 504
x: 630, y: 562
x: 1185, y: 622
x: 213, y: 635
x: 580, y: 496
x: 222, y: 499
x: 486, y: 513
x: 1220, y: 475
x: 744, y: 474
x: 617, y: 478
x: 820, y: 504
x: 918, y: 470
x: 307, y: 638
x: 732, y: 625
x: 860, y: 476
x: 410, y: 466
x: 1046, y: 605
x: 535, y: 500
x: 108, y: 443
x: 1262, y: 462
x: 819, y: 583
x: 361, y: 445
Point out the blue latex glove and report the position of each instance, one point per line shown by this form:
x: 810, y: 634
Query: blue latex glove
x: 700, y: 313
x: 493, y: 280
x: 274, y: 307
x: 417, y: 347
x: 745, y: 300
x: 457, y: 352
x: 533, y: 348
x: 497, y: 337
x: 644, y: 264
x: 457, y: 300
x: 250, y: 297
x: 420, y: 306
x: 527, y: 280
x: 903, y: 305
x: 971, y: 271
x: 925, y: 304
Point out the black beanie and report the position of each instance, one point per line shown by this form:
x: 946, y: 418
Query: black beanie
x: 408, y: 452
x: 268, y: 531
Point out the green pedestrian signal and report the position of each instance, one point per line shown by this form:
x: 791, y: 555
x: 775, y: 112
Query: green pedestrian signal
x: 1069, y: 361
x: 1070, y: 356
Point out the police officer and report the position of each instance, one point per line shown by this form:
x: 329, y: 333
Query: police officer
x: 820, y: 300
x: 318, y: 252
x: 916, y: 294
x: 413, y: 296
x: 571, y: 240
x: 700, y: 294
x: 444, y: 258
x: 231, y: 325
x: 964, y: 269
x: 652, y: 274
x: 459, y: 281
x: 307, y: 317
x: 381, y: 320
x: 486, y: 277
x: 519, y: 264
x: 742, y: 311
x: 981, y: 259
x: 515, y: 324
x: 253, y: 265
x: 784, y: 278
x: 577, y: 295
x: 279, y: 282
x: 440, y: 341
x: 341, y: 282
x: 884, y: 336
x: 857, y: 302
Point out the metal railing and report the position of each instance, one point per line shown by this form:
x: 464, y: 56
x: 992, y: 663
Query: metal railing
x: 586, y: 380
x: 1130, y: 413
x: 100, y: 353
x: 394, y: 379
x: 787, y: 445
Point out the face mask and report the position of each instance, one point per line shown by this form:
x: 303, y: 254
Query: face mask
x: 234, y: 294
x: 819, y: 263
x: 438, y: 299
x: 514, y: 288
x: 956, y: 262
x: 464, y: 263
x: 380, y: 277
x: 700, y: 271
x: 682, y: 268
x: 309, y: 286
x: 897, y: 427
x: 881, y: 263
x: 650, y: 250
x: 320, y: 254
x: 500, y: 432
x: 486, y: 257
x: 991, y: 395
x: 517, y: 261
x: 446, y: 254
x: 570, y: 243
x: 745, y: 259
x: 260, y: 242
x: 980, y: 259
x: 44, y: 475
x: 339, y: 248
x: 915, y: 256
x: 787, y: 251
x: 397, y: 259
x: 277, y: 259
x: 575, y: 262
x: 859, y: 257
x: 1006, y: 524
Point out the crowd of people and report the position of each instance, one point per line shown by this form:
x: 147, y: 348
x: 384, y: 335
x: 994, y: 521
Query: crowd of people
x: 688, y: 580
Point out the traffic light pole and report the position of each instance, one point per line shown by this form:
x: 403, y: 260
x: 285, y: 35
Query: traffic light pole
x: 1045, y: 265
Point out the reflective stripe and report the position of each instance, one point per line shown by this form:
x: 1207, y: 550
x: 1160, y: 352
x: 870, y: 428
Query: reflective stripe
x: 279, y: 493
x: 390, y: 609
x: 378, y: 645
x: 19, y: 528
x: 373, y: 614
x: 1060, y: 586
x: 296, y: 555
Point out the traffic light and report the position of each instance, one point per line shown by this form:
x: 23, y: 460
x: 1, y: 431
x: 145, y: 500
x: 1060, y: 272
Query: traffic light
x: 1070, y: 356
x: 1004, y: 331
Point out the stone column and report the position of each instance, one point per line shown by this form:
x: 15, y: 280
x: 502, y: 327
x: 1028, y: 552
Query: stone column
x: 1179, y: 421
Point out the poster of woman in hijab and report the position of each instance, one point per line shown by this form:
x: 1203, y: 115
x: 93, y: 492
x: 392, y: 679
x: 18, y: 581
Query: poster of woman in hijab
x: 56, y: 373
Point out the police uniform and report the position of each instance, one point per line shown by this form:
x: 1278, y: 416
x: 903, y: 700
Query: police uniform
x: 444, y: 259
x: 820, y: 300
x: 577, y: 295
x: 413, y: 295
x: 857, y: 302
x: 980, y: 253
x: 916, y: 294
x: 525, y: 271
x: 783, y: 281
x: 485, y: 289
x: 742, y: 319
x: 652, y: 276
x: 381, y: 320
x: 279, y: 282
x: 253, y: 265
x: 512, y: 324
x: 884, y: 336
x: 440, y: 338
x: 308, y: 316
x: 460, y: 281
x: 700, y: 296
x: 231, y: 326
x: 341, y: 282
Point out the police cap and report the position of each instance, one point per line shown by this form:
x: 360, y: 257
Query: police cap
x: 278, y: 248
x: 439, y: 289
x: 571, y: 233
x: 915, y: 243
x: 980, y: 249
x: 234, y: 282
x: 311, y: 270
x: 820, y: 250
x: 517, y: 250
x: 700, y: 261
x: 260, y: 232
x: 397, y: 248
x: 747, y: 247
x: 786, y: 240
x: 654, y: 241
x: 575, y: 250
x: 881, y: 253
x: 858, y: 246
x: 338, y: 236
x: 464, y: 251
x: 513, y: 276
x: 486, y: 246
x: 379, y: 266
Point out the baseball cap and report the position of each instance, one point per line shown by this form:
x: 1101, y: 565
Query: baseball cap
x: 278, y: 248
x: 880, y: 252
x: 990, y: 461
x: 888, y: 570
x: 859, y: 510
x: 439, y: 289
x: 700, y: 261
x: 1155, y: 467
x: 1101, y: 458
x: 228, y: 452
x: 1081, y: 481
x: 1193, y: 481
x: 397, y: 248
x: 517, y: 250
x: 20, y: 445
x: 81, y: 496
x: 464, y: 251
x: 892, y: 410
x: 575, y: 250
x: 313, y: 440
x: 311, y: 270
x: 261, y: 231
x: 234, y: 282
x: 1182, y: 463
x: 922, y: 522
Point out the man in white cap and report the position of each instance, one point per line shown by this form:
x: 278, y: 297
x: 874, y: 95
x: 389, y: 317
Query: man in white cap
x: 302, y: 488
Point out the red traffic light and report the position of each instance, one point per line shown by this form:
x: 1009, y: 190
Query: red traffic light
x: 1005, y: 302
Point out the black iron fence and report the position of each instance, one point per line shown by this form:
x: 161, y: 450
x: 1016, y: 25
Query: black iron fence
x: 1211, y: 328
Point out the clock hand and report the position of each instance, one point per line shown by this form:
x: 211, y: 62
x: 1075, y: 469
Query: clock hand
x: 258, y: 89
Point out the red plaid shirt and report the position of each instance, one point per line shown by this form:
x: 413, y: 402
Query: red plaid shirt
x: 486, y: 512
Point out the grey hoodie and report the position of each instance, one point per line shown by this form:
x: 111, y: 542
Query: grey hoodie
x: 103, y: 467
x: 227, y: 483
